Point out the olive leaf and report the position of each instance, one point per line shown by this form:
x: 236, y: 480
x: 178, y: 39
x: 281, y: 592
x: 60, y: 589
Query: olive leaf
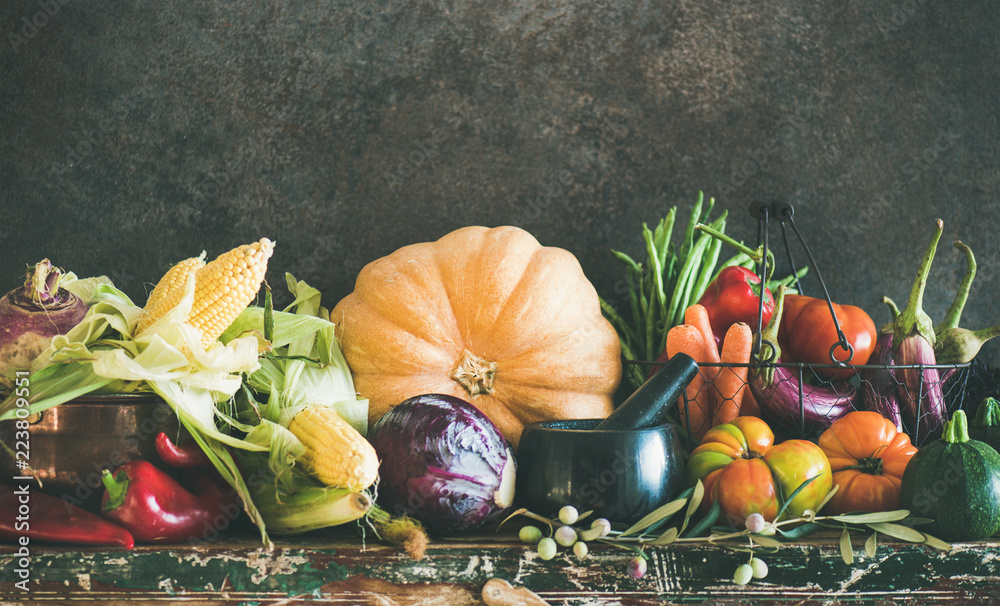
x: 696, y: 497
x: 794, y: 494
x: 765, y: 541
x: 660, y: 513
x: 868, y: 518
x: 524, y: 512
x: 936, y: 543
x: 666, y: 538
x: 845, y: 547
x: 583, y: 516
x: 899, y: 531
x: 870, y: 545
x: 827, y: 498
x: 590, y: 534
x: 706, y: 522
x: 801, y: 531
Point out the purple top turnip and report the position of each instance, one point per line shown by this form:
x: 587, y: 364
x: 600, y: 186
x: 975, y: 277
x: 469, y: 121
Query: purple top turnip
x: 31, y: 315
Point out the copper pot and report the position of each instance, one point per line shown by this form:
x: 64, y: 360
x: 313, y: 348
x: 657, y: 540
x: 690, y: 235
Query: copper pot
x: 69, y: 445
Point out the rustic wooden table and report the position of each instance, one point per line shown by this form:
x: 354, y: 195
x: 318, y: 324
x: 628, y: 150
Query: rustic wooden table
x: 338, y: 568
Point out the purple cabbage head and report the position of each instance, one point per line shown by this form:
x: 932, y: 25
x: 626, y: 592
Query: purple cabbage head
x: 444, y: 463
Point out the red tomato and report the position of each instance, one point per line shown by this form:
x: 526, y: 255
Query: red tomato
x: 807, y: 333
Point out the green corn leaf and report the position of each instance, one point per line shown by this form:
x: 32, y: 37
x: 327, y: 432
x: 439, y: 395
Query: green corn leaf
x: 268, y: 315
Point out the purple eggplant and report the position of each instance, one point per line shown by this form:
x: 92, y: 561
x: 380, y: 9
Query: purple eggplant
x: 820, y: 406
x: 921, y: 399
x: 921, y: 396
x: 879, y: 384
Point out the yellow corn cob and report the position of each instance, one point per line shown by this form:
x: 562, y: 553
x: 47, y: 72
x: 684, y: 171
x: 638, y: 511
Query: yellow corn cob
x: 222, y: 290
x: 168, y: 291
x: 225, y: 287
x: 336, y: 454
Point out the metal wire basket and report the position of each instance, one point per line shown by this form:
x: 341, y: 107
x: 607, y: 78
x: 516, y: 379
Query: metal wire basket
x: 931, y: 393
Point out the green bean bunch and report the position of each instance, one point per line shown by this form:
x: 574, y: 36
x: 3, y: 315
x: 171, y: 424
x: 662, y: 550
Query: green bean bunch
x: 667, y: 281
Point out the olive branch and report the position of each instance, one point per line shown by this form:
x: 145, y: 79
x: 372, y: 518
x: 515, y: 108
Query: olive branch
x: 654, y: 529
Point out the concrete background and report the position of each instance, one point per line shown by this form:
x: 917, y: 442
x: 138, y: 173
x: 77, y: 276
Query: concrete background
x: 135, y: 134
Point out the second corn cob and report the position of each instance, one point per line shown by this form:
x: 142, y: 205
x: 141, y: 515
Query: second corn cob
x: 336, y: 453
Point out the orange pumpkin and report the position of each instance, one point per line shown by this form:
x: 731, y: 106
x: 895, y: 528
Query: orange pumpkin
x: 868, y: 457
x: 487, y: 315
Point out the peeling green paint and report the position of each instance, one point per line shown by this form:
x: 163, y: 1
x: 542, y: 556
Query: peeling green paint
x: 683, y: 574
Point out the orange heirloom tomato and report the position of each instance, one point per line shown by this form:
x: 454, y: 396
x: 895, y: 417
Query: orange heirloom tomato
x: 747, y: 473
x: 868, y: 457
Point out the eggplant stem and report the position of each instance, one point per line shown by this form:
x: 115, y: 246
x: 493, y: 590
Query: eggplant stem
x: 893, y: 308
x: 914, y: 316
x: 985, y: 334
x: 954, y: 314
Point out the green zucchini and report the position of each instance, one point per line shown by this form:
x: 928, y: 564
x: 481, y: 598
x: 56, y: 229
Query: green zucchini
x: 986, y: 426
x: 955, y: 482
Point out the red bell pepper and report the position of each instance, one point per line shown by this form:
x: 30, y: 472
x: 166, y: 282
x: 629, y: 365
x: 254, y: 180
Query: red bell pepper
x: 156, y: 508
x: 28, y: 513
x: 807, y: 334
x: 182, y: 457
x: 734, y: 296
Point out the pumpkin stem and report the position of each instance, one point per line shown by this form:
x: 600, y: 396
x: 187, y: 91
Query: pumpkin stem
x: 474, y: 374
x: 956, y: 431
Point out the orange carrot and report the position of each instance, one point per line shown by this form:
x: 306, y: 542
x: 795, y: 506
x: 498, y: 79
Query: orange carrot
x: 749, y: 406
x: 696, y: 315
x: 732, y: 382
x: 687, y: 339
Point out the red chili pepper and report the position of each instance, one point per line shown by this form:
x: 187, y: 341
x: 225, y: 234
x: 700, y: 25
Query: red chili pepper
x: 734, y: 296
x: 184, y: 457
x: 156, y: 508
x: 42, y: 517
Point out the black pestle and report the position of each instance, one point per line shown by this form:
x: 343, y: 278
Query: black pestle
x: 648, y: 406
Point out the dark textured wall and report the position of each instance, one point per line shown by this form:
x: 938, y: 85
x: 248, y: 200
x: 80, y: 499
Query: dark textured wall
x: 139, y: 133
